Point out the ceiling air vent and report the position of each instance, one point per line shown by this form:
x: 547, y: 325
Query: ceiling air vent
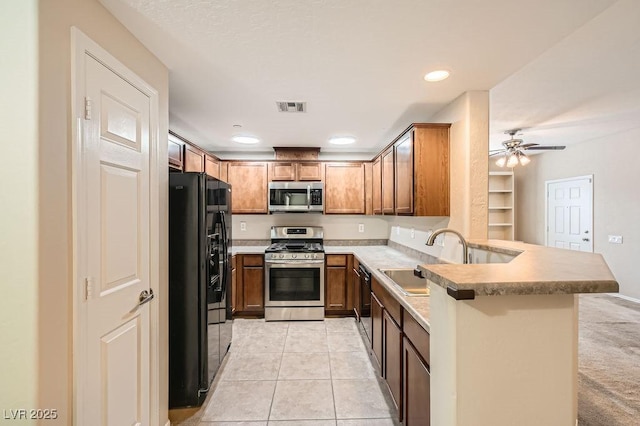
x: 292, y: 106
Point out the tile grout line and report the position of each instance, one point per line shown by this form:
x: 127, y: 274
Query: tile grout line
x: 273, y: 396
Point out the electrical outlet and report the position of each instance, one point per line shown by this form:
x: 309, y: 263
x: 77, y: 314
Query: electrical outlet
x: 615, y: 239
x: 397, y: 230
x: 413, y: 233
x: 361, y: 227
x: 243, y: 226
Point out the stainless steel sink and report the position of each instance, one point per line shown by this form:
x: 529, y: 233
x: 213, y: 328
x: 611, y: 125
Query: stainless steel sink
x: 406, y: 282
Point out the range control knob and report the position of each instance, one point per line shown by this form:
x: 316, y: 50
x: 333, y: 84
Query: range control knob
x: 294, y: 256
x: 282, y: 256
x: 307, y: 255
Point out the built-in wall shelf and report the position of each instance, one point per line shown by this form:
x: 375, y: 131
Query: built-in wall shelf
x: 501, y: 205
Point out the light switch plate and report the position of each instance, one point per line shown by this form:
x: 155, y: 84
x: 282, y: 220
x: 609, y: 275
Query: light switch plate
x: 413, y: 233
x: 361, y: 227
x: 615, y: 239
x: 243, y: 226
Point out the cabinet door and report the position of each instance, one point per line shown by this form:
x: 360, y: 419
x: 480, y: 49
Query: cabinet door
x: 176, y: 154
x: 212, y: 167
x: 387, y: 182
x: 377, y: 185
x: 336, y: 282
x: 253, y: 289
x: 223, y: 171
x: 337, y: 294
x: 393, y: 359
x: 431, y: 172
x: 193, y: 159
x: 309, y: 171
x: 403, y: 159
x: 417, y: 388
x: 376, y: 331
x: 249, y: 182
x: 344, y: 188
x: 282, y: 171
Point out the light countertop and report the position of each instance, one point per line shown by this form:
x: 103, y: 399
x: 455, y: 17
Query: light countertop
x: 535, y: 270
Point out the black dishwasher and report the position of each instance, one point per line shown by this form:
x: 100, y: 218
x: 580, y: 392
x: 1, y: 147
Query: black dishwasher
x: 364, y: 304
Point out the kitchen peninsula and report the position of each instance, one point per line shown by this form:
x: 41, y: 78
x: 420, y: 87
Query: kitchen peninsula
x: 509, y: 353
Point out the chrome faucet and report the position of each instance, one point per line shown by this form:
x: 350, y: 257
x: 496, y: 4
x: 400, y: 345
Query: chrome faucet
x: 465, y: 250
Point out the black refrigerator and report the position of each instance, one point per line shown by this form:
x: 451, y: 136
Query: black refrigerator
x: 199, y: 284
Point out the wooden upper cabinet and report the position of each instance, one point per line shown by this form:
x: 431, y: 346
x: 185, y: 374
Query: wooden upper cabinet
x: 431, y: 170
x: 223, y: 171
x: 176, y: 153
x: 249, y: 186
x: 295, y: 171
x: 376, y: 190
x: 344, y: 188
x: 282, y: 171
x: 309, y: 171
x: 388, y: 182
x: 193, y: 159
x: 212, y: 167
x: 403, y: 165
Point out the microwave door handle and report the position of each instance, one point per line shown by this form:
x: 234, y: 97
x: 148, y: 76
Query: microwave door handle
x: 308, y: 197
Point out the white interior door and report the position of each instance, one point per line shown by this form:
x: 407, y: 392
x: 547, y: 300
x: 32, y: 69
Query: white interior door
x: 113, y: 210
x: 570, y: 213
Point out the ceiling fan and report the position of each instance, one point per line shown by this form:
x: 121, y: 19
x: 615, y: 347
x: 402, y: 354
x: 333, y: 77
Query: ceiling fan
x: 513, y: 152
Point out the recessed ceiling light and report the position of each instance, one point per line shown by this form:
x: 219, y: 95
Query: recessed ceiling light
x: 342, y: 140
x: 437, y: 75
x: 245, y: 139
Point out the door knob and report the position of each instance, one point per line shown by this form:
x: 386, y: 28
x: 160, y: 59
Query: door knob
x: 145, y: 297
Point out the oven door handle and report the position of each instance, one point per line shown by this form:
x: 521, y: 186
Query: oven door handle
x: 294, y: 263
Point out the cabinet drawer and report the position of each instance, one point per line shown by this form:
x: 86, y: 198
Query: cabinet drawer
x: 387, y: 300
x: 252, y: 260
x: 337, y: 260
x: 419, y: 336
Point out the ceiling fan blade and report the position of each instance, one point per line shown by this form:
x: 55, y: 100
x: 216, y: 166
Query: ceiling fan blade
x: 493, y: 154
x: 547, y: 147
x: 527, y: 145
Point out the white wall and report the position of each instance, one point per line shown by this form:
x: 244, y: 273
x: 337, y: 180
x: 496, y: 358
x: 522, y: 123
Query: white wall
x: 613, y: 162
x: 336, y: 227
x: 18, y: 196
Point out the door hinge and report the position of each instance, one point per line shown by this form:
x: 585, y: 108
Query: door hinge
x: 87, y: 108
x: 88, y: 288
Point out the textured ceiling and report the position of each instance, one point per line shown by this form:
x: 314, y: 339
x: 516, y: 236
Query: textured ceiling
x: 358, y: 63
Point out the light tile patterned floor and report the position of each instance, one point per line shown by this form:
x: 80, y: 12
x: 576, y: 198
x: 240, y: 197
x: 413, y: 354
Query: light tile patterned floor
x: 297, y: 374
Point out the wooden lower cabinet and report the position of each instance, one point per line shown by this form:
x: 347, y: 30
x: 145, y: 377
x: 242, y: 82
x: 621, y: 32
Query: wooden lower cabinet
x: 338, y: 290
x: 393, y: 359
x: 250, y: 284
x: 376, y: 331
x: 417, y: 388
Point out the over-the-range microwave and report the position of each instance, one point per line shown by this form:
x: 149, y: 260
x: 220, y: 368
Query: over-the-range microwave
x: 296, y: 197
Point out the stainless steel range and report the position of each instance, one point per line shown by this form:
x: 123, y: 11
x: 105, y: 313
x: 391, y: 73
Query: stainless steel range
x: 294, y: 274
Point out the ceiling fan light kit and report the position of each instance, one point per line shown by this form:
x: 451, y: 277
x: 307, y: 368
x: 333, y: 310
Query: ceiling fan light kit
x: 513, y: 152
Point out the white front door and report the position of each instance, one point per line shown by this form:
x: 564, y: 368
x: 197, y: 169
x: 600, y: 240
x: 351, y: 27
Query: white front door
x: 570, y: 213
x: 112, y: 183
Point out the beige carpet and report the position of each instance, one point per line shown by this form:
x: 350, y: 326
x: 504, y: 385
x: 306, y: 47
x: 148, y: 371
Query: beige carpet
x: 609, y: 361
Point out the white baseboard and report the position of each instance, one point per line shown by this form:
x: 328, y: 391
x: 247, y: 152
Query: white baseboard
x: 622, y: 296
